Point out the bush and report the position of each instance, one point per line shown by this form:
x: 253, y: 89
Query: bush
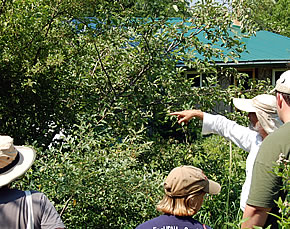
x: 118, y: 185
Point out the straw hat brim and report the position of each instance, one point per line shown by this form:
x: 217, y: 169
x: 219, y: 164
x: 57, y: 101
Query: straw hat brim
x: 26, y: 159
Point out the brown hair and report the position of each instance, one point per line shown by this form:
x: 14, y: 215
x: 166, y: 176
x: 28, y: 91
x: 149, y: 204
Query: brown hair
x: 181, y: 206
x: 286, y: 97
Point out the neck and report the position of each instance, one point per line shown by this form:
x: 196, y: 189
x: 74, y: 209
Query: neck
x: 264, y: 135
x: 286, y: 116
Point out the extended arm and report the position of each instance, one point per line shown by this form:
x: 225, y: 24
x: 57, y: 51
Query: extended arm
x: 257, y: 216
x: 242, y: 136
x: 186, y: 115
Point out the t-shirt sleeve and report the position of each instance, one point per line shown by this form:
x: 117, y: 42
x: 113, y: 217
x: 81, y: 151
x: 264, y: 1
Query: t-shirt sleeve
x: 50, y: 218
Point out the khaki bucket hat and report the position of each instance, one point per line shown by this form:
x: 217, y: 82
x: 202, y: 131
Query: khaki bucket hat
x: 264, y: 106
x: 252, y: 105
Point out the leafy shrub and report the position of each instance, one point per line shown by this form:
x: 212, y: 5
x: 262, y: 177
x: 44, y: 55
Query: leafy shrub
x: 112, y: 98
x: 119, y: 185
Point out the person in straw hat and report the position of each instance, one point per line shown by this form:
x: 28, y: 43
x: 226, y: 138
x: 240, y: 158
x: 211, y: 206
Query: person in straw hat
x: 263, y: 117
x: 266, y: 186
x: 19, y: 209
x: 184, y: 187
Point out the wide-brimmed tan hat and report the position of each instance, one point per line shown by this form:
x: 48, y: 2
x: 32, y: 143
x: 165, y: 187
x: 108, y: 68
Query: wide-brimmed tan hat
x: 251, y: 105
x: 14, y: 160
x: 188, y: 180
x: 264, y: 106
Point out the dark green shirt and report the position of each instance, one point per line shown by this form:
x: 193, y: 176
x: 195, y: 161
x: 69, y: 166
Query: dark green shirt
x: 266, y: 186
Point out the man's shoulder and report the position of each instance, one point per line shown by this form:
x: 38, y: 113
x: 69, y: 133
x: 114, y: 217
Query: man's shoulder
x: 39, y: 196
x: 277, y: 140
x: 36, y: 193
x: 284, y: 130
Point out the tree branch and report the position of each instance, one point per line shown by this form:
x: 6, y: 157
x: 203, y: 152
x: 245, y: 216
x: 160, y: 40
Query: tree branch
x: 53, y: 16
x: 66, y: 205
x: 104, y: 70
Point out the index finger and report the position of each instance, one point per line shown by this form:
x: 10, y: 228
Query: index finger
x: 175, y: 113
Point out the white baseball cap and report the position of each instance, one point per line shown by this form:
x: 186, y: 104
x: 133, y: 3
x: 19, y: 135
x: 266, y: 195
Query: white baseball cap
x: 283, y: 83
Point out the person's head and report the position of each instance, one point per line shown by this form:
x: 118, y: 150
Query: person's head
x: 282, y: 90
x: 14, y: 160
x: 184, y: 189
x: 262, y: 113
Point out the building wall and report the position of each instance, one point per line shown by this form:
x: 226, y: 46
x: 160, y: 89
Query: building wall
x: 258, y: 73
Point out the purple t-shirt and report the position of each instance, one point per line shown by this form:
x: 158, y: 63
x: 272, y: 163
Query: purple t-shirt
x: 172, y: 222
x: 14, y: 211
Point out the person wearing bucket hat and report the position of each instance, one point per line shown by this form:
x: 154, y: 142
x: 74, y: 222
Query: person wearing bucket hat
x: 266, y: 186
x: 263, y: 119
x: 19, y: 209
x: 184, y: 188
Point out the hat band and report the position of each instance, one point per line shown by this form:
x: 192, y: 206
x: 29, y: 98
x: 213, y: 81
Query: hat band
x: 11, y: 165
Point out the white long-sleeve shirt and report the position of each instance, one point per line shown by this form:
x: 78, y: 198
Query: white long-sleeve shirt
x: 245, y: 138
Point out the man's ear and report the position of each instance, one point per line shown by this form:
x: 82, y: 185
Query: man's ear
x: 279, y: 98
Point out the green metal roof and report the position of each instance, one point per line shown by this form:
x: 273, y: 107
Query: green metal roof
x: 266, y: 47
x: 262, y: 48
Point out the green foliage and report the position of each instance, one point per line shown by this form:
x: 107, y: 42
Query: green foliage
x: 106, y: 72
x: 119, y: 185
x: 99, y: 180
x: 36, y: 77
x: 117, y: 59
x: 97, y: 187
x: 271, y: 15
